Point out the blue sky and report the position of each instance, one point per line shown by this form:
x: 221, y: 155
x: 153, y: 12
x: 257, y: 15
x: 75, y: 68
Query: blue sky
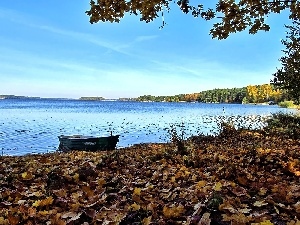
x: 49, y: 49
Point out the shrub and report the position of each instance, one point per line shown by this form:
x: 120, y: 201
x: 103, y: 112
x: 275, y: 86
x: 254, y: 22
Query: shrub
x: 287, y: 104
x: 286, y: 124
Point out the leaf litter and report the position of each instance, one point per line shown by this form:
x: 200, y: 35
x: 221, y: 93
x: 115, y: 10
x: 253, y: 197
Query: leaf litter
x: 247, y: 177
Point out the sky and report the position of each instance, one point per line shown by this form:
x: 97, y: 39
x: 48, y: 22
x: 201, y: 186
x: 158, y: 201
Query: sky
x: 49, y: 49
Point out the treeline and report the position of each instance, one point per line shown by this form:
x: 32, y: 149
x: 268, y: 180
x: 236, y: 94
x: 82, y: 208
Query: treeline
x: 175, y: 98
x: 264, y: 93
x: 250, y: 94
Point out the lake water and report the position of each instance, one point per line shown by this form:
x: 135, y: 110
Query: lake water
x: 32, y: 126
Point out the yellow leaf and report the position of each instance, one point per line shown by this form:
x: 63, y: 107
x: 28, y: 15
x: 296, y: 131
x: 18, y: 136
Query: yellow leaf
x: 27, y: 176
x: 24, y: 175
x: 3, y: 221
x: 137, y: 191
x: 76, y: 177
x: 44, y: 213
x: 201, y: 184
x: 44, y: 202
x: 173, y: 179
x: 218, y: 186
x: 36, y: 203
x: 147, y: 221
x: 135, y: 207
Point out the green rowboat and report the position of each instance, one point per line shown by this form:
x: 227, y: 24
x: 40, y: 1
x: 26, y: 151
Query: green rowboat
x: 87, y: 143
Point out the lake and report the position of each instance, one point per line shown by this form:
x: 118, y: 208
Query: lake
x: 32, y: 126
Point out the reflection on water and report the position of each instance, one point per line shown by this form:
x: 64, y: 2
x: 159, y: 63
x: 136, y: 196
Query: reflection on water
x: 32, y: 126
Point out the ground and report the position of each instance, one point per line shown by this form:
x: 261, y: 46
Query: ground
x: 238, y: 177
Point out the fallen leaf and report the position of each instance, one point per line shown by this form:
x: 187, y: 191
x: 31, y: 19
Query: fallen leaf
x: 137, y: 191
x: 135, y: 207
x: 218, y: 186
x: 260, y: 203
x: 173, y: 211
x: 205, y: 220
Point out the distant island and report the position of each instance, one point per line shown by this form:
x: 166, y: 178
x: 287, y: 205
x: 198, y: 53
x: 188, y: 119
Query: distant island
x: 29, y: 97
x: 92, y: 98
x: 17, y: 97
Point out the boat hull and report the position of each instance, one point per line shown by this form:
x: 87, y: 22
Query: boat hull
x: 87, y: 143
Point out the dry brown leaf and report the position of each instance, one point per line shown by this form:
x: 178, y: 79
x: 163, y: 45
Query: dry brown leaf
x: 173, y: 211
x: 13, y: 220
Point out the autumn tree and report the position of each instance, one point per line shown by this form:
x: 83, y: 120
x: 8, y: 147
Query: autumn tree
x: 231, y: 16
x: 288, y: 76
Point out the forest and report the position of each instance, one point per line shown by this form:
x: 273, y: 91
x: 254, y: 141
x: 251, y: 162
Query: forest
x: 250, y: 94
